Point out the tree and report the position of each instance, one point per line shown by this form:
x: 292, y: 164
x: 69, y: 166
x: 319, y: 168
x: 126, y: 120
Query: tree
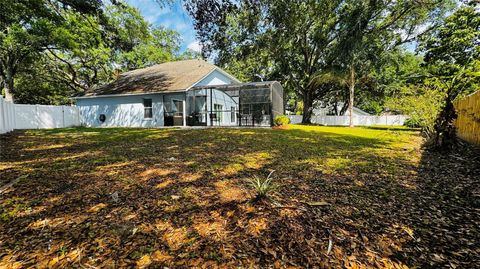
x: 299, y: 39
x: 368, y: 30
x: 25, y: 29
x: 290, y: 39
x: 83, y: 51
x: 397, y: 70
x: 452, y: 58
x: 40, y: 85
x: 392, y: 72
x: 161, y: 45
x: 79, y: 55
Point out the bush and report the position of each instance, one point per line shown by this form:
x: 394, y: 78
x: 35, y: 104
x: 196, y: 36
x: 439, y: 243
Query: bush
x: 421, y: 104
x: 281, y: 120
x: 413, y: 122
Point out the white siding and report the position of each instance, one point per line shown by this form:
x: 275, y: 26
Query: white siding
x: 120, y: 111
x: 215, y: 78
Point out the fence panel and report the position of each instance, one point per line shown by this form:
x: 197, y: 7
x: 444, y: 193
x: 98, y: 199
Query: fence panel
x: 7, y: 120
x: 71, y: 116
x: 20, y: 116
x: 468, y: 121
x: 50, y: 117
x: 392, y: 120
x: 26, y: 116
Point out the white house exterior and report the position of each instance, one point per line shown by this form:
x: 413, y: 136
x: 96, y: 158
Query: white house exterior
x: 325, y: 110
x: 172, y: 94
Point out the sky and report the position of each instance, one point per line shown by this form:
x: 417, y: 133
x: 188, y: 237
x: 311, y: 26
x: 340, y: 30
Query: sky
x: 173, y: 17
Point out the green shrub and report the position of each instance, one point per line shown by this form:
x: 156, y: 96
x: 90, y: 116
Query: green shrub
x: 421, y: 104
x: 413, y: 122
x: 281, y: 120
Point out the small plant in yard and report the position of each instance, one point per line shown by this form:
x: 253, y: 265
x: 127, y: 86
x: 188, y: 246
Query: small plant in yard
x: 262, y: 186
x: 281, y: 120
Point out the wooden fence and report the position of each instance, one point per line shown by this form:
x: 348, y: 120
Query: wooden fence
x: 468, y: 121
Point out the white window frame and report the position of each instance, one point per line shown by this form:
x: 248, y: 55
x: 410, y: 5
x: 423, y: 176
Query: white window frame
x: 146, y: 107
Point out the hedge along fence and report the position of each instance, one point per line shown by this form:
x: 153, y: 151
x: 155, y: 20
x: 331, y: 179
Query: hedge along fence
x: 468, y: 121
x: 19, y: 116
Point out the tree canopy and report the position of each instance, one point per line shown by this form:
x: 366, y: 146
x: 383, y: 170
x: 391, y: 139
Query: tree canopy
x: 295, y: 41
x: 453, y: 61
x: 51, y: 50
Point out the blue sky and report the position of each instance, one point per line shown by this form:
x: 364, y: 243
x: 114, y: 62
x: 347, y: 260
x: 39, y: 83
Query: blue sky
x: 172, y: 17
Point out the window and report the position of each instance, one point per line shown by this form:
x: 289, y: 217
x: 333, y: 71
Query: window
x: 232, y: 114
x: 178, y: 107
x: 147, y: 108
x: 218, y: 111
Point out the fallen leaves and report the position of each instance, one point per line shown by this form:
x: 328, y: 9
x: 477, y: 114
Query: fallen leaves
x: 159, y: 256
x: 96, y: 208
x: 317, y: 203
x: 347, y: 198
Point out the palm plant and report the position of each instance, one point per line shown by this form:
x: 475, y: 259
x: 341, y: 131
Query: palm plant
x: 262, y: 186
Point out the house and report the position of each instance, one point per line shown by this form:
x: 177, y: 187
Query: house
x: 322, y: 109
x: 181, y: 93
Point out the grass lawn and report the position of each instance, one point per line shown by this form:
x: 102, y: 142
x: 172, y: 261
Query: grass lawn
x: 345, y: 197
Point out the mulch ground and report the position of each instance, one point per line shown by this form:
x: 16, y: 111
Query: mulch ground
x: 363, y: 198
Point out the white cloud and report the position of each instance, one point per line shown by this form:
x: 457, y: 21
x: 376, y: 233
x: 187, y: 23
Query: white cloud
x: 195, y: 46
x: 150, y: 9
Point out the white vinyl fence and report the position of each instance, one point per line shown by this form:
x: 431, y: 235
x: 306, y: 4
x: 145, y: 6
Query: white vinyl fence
x: 393, y: 120
x: 18, y: 116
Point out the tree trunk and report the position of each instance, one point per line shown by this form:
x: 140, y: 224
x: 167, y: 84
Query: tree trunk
x: 445, y: 132
x: 8, y: 85
x: 307, y: 107
x: 351, y: 94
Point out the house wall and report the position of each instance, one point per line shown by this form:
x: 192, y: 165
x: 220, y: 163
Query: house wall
x: 128, y: 111
x: 120, y: 111
x: 215, y: 78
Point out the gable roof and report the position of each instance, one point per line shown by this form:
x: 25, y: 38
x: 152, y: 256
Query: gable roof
x: 166, y: 77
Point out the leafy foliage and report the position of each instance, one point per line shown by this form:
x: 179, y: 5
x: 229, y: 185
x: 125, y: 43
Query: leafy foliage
x: 262, y: 186
x: 82, y: 44
x: 281, y: 120
x: 452, y: 58
x: 294, y: 41
x: 421, y: 104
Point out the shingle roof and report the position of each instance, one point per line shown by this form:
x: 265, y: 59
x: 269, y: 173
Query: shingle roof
x: 171, y: 76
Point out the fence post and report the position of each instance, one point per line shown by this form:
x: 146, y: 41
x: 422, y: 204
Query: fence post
x: 63, y: 116
x: 2, y: 121
x: 184, y: 113
x: 14, y: 118
x: 10, y: 116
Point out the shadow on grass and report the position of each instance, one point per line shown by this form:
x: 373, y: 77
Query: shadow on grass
x: 123, y: 197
